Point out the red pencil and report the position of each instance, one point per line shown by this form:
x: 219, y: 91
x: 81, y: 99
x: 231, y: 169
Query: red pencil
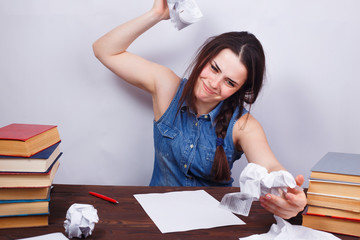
x: 103, y: 197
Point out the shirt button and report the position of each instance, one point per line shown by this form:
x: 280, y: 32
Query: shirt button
x: 192, y: 146
x: 196, y: 124
x: 185, y: 166
x: 206, y: 116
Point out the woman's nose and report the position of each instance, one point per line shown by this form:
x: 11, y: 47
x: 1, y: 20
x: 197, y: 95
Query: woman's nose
x: 215, y: 82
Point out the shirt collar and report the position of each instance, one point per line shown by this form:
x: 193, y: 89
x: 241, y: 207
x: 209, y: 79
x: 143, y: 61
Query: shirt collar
x: 212, y: 115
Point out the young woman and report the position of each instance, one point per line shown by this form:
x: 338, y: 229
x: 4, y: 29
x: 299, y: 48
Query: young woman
x: 201, y: 126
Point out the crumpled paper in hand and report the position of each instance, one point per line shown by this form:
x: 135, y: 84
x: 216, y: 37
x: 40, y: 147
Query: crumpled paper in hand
x: 80, y: 220
x: 283, y: 230
x: 183, y: 13
x: 255, y: 181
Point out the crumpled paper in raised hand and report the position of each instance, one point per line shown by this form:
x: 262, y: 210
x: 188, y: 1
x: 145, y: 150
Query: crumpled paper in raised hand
x: 255, y: 181
x: 283, y: 230
x: 183, y: 13
x: 80, y: 220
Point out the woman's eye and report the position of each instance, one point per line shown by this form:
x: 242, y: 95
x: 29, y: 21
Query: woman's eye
x: 230, y: 83
x: 214, y: 68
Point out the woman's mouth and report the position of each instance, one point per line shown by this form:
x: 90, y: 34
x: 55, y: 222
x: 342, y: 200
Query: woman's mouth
x: 207, y: 89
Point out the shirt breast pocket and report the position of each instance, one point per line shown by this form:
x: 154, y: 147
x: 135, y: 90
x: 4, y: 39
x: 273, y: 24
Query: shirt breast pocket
x: 167, y: 141
x: 207, y: 159
x: 167, y: 131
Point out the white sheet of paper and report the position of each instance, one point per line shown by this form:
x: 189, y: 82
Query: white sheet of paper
x: 50, y: 236
x: 185, y: 210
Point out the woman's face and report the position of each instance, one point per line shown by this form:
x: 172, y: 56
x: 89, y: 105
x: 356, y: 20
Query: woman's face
x: 219, y: 79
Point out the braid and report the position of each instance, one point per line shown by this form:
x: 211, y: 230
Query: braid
x: 220, y: 168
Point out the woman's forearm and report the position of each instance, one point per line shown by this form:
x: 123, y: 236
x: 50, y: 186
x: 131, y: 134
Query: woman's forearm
x: 119, y: 39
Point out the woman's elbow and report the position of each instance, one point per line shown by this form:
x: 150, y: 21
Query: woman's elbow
x: 97, y: 50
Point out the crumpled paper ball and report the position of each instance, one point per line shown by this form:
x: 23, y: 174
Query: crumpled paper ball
x: 255, y: 181
x: 80, y: 220
x: 183, y: 13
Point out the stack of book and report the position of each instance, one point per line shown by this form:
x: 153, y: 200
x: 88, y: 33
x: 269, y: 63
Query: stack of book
x: 334, y: 194
x: 29, y: 159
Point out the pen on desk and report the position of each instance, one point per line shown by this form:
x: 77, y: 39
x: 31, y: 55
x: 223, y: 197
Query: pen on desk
x: 103, y: 197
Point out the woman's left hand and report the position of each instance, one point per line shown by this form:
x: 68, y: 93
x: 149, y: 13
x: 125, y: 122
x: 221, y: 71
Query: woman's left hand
x: 287, y: 206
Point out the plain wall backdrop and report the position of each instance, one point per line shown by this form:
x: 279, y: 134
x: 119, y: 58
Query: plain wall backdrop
x: 309, y: 104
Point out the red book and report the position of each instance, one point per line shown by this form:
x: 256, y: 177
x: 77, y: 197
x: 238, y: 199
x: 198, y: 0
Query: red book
x: 335, y: 224
x: 25, y: 140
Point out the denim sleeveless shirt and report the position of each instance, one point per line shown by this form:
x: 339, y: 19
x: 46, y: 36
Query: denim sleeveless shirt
x: 185, y: 146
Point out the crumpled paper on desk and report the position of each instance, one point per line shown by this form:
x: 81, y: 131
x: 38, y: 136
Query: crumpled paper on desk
x: 255, y: 181
x: 183, y: 13
x: 80, y: 220
x: 283, y: 230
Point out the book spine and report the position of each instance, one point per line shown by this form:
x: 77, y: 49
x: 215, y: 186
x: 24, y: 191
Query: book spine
x: 337, y: 217
x: 25, y: 215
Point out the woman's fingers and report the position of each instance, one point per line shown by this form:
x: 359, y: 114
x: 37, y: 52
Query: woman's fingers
x: 161, y: 7
x: 299, y: 180
x: 286, y: 207
x: 277, y: 206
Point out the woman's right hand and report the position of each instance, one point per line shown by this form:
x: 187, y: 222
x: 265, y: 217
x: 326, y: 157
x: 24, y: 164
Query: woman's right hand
x: 161, y: 9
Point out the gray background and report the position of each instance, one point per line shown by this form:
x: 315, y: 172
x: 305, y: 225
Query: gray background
x: 48, y: 75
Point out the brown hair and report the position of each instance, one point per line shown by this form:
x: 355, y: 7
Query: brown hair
x: 251, y: 54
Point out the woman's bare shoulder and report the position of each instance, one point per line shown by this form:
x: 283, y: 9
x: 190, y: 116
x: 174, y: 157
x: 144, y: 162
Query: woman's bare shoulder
x: 166, y: 87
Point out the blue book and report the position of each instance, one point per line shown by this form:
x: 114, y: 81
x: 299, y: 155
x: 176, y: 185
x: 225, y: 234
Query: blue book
x: 39, y: 162
x: 9, y: 208
x: 33, y: 220
x: 18, y: 193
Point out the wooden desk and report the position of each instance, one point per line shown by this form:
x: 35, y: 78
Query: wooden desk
x: 127, y: 220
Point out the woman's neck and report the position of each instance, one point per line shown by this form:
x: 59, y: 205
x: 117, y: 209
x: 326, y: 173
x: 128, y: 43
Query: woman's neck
x: 204, y: 108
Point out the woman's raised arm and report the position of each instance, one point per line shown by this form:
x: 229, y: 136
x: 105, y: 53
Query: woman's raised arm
x: 111, y: 50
